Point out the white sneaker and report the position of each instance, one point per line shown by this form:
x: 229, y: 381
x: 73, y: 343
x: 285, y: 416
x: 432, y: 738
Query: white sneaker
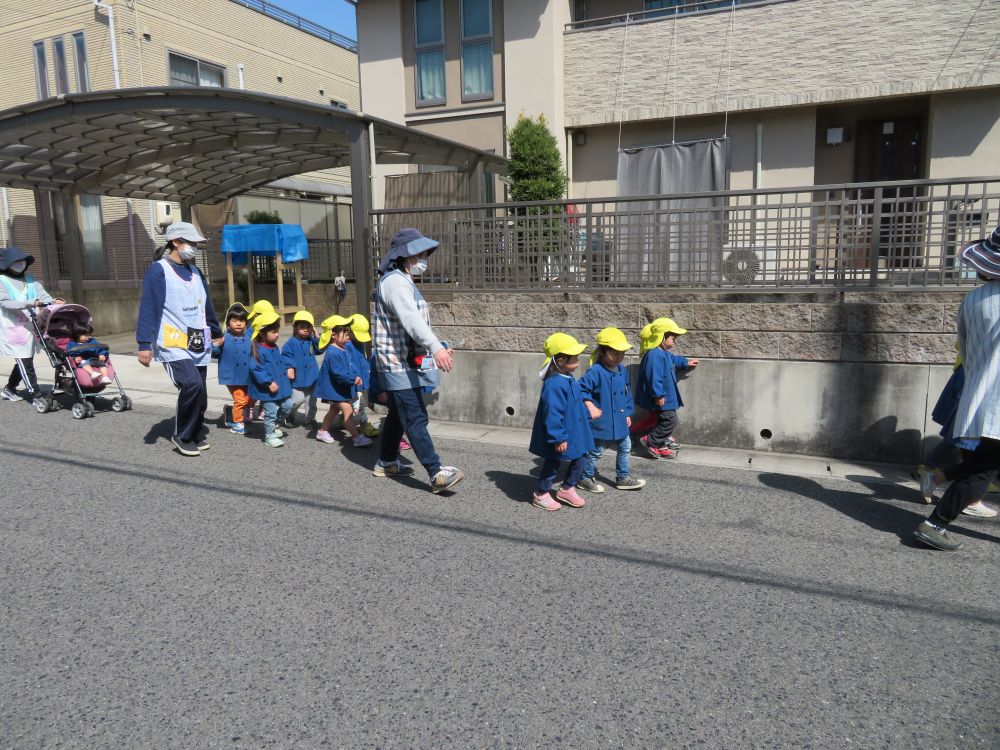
x: 106, y: 380
x: 10, y: 395
x: 979, y: 509
x: 324, y: 437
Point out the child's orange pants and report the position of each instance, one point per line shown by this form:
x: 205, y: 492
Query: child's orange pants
x: 241, y: 401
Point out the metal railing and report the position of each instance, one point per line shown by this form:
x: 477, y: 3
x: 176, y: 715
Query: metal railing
x: 680, y: 9
x: 865, y: 235
x: 303, y: 24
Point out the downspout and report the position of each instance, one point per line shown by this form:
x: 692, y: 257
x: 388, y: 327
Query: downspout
x: 239, y: 68
x: 114, y: 41
x: 8, y: 229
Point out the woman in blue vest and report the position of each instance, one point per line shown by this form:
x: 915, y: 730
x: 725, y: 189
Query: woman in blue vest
x: 18, y: 293
x: 176, y: 326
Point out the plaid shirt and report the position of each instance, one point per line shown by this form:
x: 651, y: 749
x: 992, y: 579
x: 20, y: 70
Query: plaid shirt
x: 979, y: 335
x: 392, y: 342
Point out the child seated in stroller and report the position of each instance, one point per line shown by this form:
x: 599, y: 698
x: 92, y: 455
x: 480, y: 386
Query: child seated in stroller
x: 87, y: 353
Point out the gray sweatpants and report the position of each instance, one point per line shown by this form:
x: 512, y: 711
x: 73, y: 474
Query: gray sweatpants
x: 299, y: 396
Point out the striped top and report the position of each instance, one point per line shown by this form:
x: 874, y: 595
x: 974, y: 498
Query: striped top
x: 979, y: 337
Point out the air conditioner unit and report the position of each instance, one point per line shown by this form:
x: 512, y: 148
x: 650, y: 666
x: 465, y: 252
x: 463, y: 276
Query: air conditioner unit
x: 164, y: 214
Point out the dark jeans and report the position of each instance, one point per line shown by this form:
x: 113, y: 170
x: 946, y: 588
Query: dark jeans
x: 970, y: 480
x: 192, y: 398
x: 666, y: 423
x: 407, y: 413
x: 550, y: 470
x: 29, y: 370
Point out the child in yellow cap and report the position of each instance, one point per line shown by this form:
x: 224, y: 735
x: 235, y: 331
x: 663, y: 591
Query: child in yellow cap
x: 360, y: 336
x: 657, y: 389
x: 561, y: 431
x: 269, y: 381
x: 338, y: 381
x: 608, y: 398
x: 299, y: 353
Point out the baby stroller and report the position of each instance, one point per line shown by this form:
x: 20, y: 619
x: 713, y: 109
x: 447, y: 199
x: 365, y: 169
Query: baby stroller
x: 53, y: 326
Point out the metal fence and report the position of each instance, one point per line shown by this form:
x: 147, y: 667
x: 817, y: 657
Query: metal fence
x: 891, y: 234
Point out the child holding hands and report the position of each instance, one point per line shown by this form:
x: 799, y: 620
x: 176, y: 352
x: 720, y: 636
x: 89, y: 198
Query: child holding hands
x: 561, y: 431
x: 338, y: 380
x: 657, y: 389
x: 608, y: 398
x: 234, y: 354
x: 299, y: 354
x: 360, y: 335
x: 269, y: 376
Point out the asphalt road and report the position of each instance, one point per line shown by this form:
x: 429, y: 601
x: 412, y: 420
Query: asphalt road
x: 286, y: 598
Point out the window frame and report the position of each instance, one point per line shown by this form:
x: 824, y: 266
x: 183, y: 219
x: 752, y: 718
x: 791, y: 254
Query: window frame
x: 60, y: 64
x: 468, y: 41
x: 41, y: 61
x: 438, y: 46
x: 198, y: 62
x: 80, y: 61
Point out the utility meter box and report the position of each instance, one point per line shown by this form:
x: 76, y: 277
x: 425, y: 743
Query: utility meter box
x: 164, y: 214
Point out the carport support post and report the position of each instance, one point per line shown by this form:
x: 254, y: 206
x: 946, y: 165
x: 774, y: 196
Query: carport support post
x: 360, y: 217
x: 72, y: 243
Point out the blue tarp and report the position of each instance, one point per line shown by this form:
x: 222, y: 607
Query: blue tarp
x: 265, y: 239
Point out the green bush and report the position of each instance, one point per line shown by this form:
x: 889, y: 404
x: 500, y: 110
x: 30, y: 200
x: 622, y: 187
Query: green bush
x: 262, y: 217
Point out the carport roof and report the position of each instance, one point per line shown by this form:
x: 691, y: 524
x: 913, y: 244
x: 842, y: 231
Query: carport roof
x: 197, y: 145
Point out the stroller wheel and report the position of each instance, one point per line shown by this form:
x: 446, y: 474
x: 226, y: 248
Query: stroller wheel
x: 79, y: 410
x: 91, y: 411
x: 42, y: 404
x: 118, y: 404
x: 128, y: 403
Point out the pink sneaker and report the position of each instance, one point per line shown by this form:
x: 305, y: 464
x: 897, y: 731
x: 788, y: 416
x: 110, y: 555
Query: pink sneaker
x: 404, y: 445
x: 570, y: 497
x: 544, y: 501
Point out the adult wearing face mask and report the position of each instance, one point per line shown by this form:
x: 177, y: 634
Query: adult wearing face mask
x: 408, y: 357
x: 18, y: 293
x: 176, y: 326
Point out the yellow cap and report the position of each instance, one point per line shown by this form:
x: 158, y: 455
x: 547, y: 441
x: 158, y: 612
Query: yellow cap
x: 562, y: 343
x: 652, y: 333
x: 263, y: 319
x: 260, y: 307
x: 613, y: 338
x: 304, y: 316
x: 360, y: 328
x: 334, y: 321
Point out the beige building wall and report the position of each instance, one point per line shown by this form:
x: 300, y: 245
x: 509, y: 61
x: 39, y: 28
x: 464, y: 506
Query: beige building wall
x: 276, y: 59
x: 782, y: 54
x: 965, y: 134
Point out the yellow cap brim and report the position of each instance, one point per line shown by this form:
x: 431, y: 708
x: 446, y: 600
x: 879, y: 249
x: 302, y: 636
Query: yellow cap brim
x: 361, y: 336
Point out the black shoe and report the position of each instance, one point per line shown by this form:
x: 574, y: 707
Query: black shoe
x: 203, y: 444
x: 936, y: 537
x: 185, y: 447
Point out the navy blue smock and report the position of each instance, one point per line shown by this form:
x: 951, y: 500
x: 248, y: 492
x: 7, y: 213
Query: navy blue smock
x: 336, y: 376
x: 300, y: 355
x: 610, y: 392
x: 561, y: 416
x: 266, y: 368
x: 234, y: 359
x: 658, y: 379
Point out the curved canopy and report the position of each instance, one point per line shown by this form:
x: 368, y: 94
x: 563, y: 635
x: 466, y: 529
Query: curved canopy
x: 197, y: 145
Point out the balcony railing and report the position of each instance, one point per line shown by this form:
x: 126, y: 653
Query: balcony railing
x: 681, y: 9
x: 866, y: 235
x: 303, y: 24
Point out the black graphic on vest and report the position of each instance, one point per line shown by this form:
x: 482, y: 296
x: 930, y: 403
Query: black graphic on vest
x: 196, y: 340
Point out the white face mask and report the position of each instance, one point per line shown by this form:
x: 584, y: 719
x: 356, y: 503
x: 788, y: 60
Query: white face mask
x: 18, y: 266
x: 187, y: 252
x: 418, y: 267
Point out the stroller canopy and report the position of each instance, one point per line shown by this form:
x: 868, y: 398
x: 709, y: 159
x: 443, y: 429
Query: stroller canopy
x: 57, y: 321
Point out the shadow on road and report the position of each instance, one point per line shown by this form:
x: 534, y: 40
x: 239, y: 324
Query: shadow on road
x: 518, y: 487
x: 867, y: 508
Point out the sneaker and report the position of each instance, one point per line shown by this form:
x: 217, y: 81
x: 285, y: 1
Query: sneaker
x: 590, y: 485
x: 927, y: 485
x: 544, y: 501
x: 185, y: 447
x: 238, y: 428
x: 106, y: 380
x: 289, y: 421
x: 655, y: 452
x: 324, y: 437
x: 9, y: 394
x: 446, y: 478
x: 404, y: 445
x: 391, y: 469
x: 280, y: 432
x: 361, y: 441
x: 570, y: 496
x: 370, y: 430
x: 629, y: 483
x: 979, y: 509
x: 936, y: 537
x: 203, y: 444
x: 673, y: 444
x: 274, y: 442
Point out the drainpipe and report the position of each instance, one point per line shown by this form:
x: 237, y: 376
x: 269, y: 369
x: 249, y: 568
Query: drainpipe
x: 8, y: 229
x: 239, y: 68
x: 131, y: 240
x: 114, y: 41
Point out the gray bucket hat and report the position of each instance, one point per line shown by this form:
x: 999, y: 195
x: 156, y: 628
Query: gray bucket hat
x: 404, y: 244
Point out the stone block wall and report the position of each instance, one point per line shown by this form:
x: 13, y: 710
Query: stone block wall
x: 802, y: 52
x: 876, y: 327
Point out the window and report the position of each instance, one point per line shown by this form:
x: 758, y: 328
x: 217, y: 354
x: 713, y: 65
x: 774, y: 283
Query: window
x: 80, y: 60
x: 429, y: 57
x: 186, y: 71
x: 59, y: 57
x: 41, y: 71
x: 91, y: 229
x: 477, y: 50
